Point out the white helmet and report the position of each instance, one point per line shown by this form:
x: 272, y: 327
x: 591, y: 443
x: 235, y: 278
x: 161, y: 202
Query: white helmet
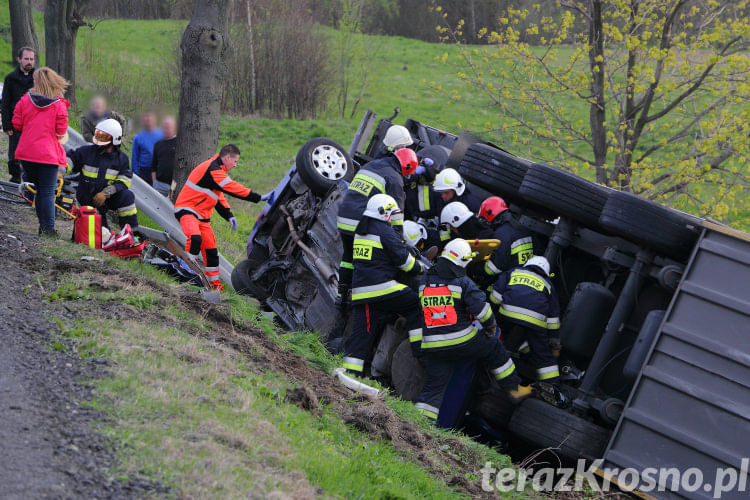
x: 448, y: 179
x: 540, y: 262
x: 414, y: 232
x: 459, y: 252
x: 455, y: 214
x: 109, y: 127
x: 397, y: 137
x: 381, y: 207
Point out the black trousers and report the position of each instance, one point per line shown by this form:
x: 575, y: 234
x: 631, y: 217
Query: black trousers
x: 534, y: 345
x: 489, y: 351
x: 14, y: 166
x: 346, y: 267
x: 369, y: 322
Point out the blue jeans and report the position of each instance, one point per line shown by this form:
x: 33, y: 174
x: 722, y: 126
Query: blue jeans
x: 44, y: 177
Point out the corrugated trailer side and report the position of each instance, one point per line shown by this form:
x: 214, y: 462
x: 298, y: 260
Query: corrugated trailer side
x: 690, y: 406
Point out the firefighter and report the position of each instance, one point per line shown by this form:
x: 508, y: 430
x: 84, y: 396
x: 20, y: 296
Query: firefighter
x: 105, y: 174
x: 526, y: 300
x: 451, y: 187
x: 457, y: 220
x: 379, y: 255
x: 450, y: 304
x: 203, y: 191
x: 516, y: 245
x: 382, y: 176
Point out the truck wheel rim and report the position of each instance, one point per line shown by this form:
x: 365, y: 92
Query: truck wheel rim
x: 329, y: 162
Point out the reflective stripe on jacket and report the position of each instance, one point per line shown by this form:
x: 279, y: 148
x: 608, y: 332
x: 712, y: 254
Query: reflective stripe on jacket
x: 528, y: 299
x: 450, y: 305
x: 99, y: 169
x: 516, y: 247
x: 379, y: 254
x: 379, y: 176
x: 204, y: 190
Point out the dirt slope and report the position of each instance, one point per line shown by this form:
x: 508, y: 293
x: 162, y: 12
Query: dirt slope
x: 48, y: 447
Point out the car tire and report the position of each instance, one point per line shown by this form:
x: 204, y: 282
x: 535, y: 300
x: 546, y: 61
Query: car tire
x: 407, y: 375
x: 322, y: 163
x: 241, y: 281
x: 569, y: 436
x: 564, y: 193
x: 495, y: 406
x: 496, y: 171
x: 647, y: 223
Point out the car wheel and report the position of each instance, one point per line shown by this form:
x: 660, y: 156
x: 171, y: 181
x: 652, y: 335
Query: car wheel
x: 438, y: 154
x: 407, y: 375
x: 241, y: 281
x: 496, y: 171
x: 564, y: 193
x: 567, y: 435
x: 322, y: 163
x: 645, y: 222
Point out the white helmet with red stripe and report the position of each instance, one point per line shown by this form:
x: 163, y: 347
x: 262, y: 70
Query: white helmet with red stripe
x: 458, y: 252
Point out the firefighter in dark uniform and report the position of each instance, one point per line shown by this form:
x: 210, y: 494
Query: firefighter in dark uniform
x: 516, y: 245
x: 105, y: 174
x: 450, y: 304
x: 379, y: 255
x: 527, y: 301
x: 382, y: 176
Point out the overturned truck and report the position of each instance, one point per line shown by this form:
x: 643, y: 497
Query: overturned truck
x: 655, y: 333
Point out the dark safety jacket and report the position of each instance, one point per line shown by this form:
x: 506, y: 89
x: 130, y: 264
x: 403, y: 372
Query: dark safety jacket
x: 204, y: 190
x: 527, y: 298
x: 379, y: 255
x: 450, y: 303
x: 381, y: 176
x: 422, y: 202
x: 99, y: 169
x: 516, y: 246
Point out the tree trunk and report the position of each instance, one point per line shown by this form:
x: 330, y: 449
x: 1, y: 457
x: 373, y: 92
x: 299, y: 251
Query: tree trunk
x: 22, y: 29
x: 597, y: 109
x: 251, y: 56
x: 204, y: 49
x: 62, y: 18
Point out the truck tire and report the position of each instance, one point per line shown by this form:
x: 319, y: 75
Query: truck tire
x: 322, y: 163
x: 647, y: 223
x: 564, y: 193
x: 407, y: 375
x: 495, y: 407
x: 567, y: 435
x: 498, y: 172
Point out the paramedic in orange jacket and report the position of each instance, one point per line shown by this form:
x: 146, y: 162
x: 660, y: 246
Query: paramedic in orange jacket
x: 203, y: 191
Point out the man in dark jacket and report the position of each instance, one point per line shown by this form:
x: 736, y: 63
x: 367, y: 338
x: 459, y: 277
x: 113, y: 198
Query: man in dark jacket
x: 98, y: 112
x: 379, y: 255
x: 105, y: 174
x: 162, y: 162
x: 451, y: 306
x: 17, y: 83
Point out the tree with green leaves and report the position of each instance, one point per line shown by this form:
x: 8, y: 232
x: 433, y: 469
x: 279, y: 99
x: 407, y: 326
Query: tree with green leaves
x: 650, y: 95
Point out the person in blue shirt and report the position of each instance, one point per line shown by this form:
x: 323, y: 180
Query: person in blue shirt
x: 143, y: 147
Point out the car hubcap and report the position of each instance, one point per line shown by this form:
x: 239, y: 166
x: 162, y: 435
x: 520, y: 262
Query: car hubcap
x: 329, y: 162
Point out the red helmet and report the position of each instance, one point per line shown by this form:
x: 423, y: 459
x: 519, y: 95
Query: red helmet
x: 408, y: 159
x: 491, y: 208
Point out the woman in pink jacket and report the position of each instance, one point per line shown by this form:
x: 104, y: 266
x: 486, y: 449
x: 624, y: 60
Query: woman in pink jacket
x: 42, y: 116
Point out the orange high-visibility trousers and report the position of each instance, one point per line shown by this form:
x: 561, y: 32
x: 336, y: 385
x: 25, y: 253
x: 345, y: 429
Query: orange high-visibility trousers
x: 201, y: 239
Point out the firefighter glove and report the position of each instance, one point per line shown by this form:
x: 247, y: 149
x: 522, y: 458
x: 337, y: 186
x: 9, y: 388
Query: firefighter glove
x: 99, y: 199
x: 489, y: 327
x: 233, y: 222
x: 267, y: 196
